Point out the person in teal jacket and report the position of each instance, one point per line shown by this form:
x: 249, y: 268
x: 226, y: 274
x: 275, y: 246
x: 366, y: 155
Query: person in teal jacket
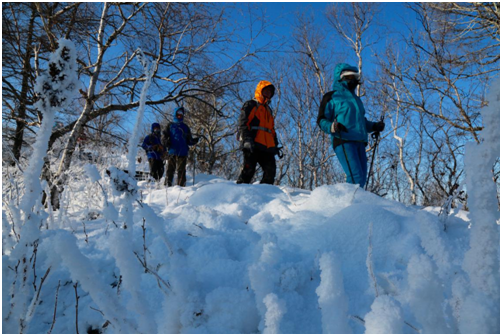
x: 341, y: 114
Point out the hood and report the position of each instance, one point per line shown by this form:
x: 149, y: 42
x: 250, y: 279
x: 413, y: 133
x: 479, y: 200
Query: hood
x: 155, y: 125
x: 336, y: 76
x: 257, y: 94
x: 176, y: 120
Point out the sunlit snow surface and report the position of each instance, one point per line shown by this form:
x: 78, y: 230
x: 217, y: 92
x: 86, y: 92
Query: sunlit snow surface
x: 255, y: 258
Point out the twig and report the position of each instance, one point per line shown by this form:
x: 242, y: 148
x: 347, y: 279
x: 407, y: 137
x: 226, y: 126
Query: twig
x: 55, y: 308
x: 168, y: 286
x: 97, y: 310
x: 358, y: 319
x: 107, y: 322
x: 34, y: 301
x: 167, y: 198
x: 363, y: 322
x: 200, y: 227
x: 144, y: 245
x: 85, y: 232
x: 118, y: 285
x: 412, y: 327
x: 369, y: 262
x: 76, y: 306
x: 179, y: 194
x: 354, y: 195
x: 34, y: 257
x: 42, y: 282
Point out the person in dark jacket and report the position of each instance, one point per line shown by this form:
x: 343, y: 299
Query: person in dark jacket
x: 341, y: 114
x: 177, y: 137
x: 155, y: 152
x: 257, y: 135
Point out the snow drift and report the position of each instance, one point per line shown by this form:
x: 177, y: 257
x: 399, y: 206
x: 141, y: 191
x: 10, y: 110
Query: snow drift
x: 217, y: 257
x: 249, y: 259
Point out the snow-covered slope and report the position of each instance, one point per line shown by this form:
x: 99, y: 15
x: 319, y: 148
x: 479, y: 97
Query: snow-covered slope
x: 249, y: 259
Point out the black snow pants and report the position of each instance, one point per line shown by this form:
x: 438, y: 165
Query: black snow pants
x: 156, y: 169
x: 266, y: 161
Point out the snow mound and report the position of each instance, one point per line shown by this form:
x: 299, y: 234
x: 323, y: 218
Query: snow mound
x: 253, y: 259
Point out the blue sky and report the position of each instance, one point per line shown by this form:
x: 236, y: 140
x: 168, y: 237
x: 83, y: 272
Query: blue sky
x: 282, y: 16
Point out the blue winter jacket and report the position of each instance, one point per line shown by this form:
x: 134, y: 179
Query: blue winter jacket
x: 177, y: 137
x: 345, y: 107
x: 150, y: 140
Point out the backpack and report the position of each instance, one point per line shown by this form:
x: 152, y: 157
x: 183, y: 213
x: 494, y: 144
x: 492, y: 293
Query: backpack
x: 238, y: 135
x: 166, y: 136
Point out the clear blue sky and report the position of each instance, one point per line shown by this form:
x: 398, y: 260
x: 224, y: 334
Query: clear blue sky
x: 282, y: 15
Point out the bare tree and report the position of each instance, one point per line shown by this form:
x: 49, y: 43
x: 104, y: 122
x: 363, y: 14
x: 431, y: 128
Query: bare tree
x: 306, y: 81
x: 180, y: 37
x: 352, y: 21
x: 475, y: 19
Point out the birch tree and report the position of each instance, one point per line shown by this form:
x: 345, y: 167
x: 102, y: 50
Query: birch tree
x: 306, y: 81
x: 179, y: 37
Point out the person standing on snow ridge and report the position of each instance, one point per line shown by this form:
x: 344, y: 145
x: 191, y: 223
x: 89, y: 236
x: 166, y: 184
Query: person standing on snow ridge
x: 341, y: 114
x: 177, y: 137
x: 257, y: 135
x: 155, y: 152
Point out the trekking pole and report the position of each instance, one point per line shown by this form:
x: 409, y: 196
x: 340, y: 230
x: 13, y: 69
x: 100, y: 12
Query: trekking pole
x: 193, y: 159
x: 376, y: 137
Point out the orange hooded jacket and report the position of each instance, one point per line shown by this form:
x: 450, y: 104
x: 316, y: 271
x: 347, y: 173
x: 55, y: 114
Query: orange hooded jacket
x: 257, y: 122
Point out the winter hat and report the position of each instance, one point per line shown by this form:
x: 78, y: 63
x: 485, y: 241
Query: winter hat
x: 349, y: 73
x: 155, y: 125
x: 179, y: 111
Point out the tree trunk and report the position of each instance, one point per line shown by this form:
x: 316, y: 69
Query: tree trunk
x: 21, y: 121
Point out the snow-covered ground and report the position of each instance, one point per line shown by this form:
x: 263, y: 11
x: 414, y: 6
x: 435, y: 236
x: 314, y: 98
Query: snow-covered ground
x: 216, y: 257
x: 249, y: 259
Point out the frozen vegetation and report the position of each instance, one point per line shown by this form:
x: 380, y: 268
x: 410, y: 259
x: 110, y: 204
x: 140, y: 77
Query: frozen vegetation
x: 248, y: 259
x: 123, y: 256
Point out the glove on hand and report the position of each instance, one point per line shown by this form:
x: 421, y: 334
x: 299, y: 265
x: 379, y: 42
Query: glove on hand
x: 248, y: 146
x: 337, y: 127
x: 379, y: 126
x: 158, y: 148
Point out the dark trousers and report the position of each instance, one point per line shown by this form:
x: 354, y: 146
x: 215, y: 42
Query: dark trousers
x: 178, y: 164
x: 266, y: 161
x: 156, y: 169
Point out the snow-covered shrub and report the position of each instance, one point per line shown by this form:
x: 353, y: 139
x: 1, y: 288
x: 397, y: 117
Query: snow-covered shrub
x: 385, y: 317
x: 332, y: 297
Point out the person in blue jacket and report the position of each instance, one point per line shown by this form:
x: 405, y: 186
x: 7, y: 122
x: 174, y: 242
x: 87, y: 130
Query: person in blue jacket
x: 155, y: 152
x: 177, y: 137
x: 341, y: 114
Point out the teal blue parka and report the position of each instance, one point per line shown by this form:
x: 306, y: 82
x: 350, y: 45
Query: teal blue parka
x: 344, y: 106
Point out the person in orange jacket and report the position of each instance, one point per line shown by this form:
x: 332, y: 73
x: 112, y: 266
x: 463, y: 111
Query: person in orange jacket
x: 257, y: 135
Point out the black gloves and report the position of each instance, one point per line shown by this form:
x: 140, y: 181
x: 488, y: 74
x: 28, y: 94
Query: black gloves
x: 379, y: 126
x: 337, y: 127
x: 279, y: 152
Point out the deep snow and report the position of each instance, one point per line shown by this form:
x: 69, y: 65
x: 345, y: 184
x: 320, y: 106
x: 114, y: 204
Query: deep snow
x: 253, y: 258
x: 216, y: 257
